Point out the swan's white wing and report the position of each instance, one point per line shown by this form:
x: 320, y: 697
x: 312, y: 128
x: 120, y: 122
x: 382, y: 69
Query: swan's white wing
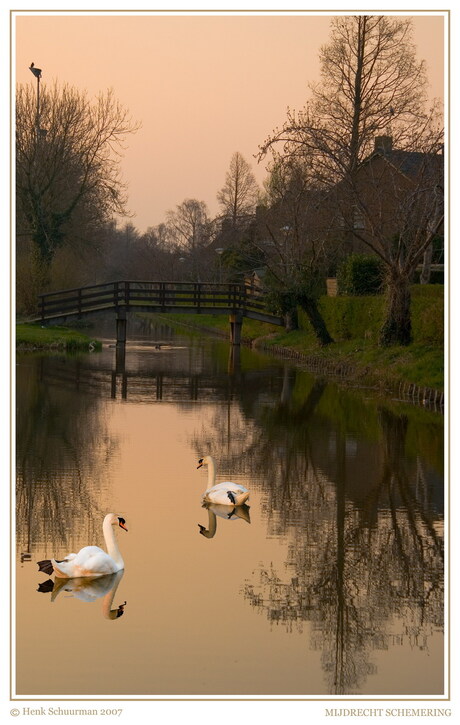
x: 93, y: 560
x: 61, y: 566
x: 90, y: 561
x: 88, y: 551
x: 228, y: 486
x: 227, y: 494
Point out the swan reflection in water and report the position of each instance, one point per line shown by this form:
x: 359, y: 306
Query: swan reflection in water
x: 225, y: 512
x: 89, y: 590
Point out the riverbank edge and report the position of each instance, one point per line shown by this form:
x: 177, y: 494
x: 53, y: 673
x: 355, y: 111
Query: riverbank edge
x: 34, y: 338
x: 344, y: 367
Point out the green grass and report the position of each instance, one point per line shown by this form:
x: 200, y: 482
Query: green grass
x: 220, y: 324
x: 420, y: 364
x: 35, y: 337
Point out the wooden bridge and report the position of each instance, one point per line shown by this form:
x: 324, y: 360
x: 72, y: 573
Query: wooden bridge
x: 236, y: 300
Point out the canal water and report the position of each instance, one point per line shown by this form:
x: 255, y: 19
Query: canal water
x: 329, y: 583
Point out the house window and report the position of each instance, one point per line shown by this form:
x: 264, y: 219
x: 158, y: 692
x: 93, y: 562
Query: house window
x: 358, y: 219
x: 341, y: 221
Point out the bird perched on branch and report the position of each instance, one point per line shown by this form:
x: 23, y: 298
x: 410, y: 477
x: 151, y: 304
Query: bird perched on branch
x: 36, y: 71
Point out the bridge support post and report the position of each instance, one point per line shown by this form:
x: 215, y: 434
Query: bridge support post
x: 121, y: 326
x: 120, y: 354
x: 236, y: 323
x: 121, y: 340
x: 120, y: 358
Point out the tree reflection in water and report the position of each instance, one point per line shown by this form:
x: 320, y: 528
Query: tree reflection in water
x: 62, y: 448
x: 353, y: 486
x: 361, y: 506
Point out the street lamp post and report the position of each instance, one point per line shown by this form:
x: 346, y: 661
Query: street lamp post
x: 220, y: 251
x: 181, y: 270
x: 38, y: 74
x: 287, y: 256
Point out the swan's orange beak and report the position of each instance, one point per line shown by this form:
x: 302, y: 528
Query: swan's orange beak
x: 200, y: 463
x: 122, y: 525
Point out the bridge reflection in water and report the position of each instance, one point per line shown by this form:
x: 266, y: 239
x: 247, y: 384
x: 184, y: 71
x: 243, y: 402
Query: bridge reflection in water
x: 342, y: 562
x: 162, y: 383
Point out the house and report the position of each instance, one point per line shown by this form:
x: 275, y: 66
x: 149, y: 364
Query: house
x: 254, y: 281
x: 394, y: 198
x: 388, y: 207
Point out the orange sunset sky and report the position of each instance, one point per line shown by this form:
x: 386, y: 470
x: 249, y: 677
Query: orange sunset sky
x: 202, y: 85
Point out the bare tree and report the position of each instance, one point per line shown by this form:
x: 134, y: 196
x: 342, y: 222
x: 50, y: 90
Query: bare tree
x: 371, y: 82
x: 295, y: 251
x: 238, y: 197
x: 67, y: 172
x: 398, y: 211
x: 189, y: 230
x: 372, y: 85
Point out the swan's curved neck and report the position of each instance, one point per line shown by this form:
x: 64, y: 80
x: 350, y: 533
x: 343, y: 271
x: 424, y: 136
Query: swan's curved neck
x: 211, y: 472
x: 111, y: 543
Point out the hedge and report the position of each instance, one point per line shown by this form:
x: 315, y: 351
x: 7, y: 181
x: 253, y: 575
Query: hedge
x: 360, y: 317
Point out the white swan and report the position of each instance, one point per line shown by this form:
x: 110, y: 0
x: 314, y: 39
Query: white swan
x: 226, y: 493
x: 91, y: 561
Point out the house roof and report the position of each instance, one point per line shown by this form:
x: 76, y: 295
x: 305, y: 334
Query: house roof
x: 409, y: 163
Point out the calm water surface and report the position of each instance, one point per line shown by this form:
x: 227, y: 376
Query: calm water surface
x: 330, y: 583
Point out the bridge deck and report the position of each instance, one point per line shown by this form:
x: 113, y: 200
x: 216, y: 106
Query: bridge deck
x: 158, y: 297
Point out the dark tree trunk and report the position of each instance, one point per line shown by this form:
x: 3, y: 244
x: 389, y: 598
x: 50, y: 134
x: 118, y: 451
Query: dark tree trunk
x: 291, y: 320
x: 310, y: 306
x: 40, y: 269
x: 397, y: 327
x: 426, y: 265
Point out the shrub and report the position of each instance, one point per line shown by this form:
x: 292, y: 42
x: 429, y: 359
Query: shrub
x: 427, y: 307
x: 360, y: 318
x: 360, y: 274
x: 350, y: 318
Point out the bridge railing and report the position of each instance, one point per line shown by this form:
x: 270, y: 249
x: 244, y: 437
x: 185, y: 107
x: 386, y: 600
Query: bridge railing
x: 162, y: 295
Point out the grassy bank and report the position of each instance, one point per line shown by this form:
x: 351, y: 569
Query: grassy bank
x: 35, y: 337
x: 354, y: 323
